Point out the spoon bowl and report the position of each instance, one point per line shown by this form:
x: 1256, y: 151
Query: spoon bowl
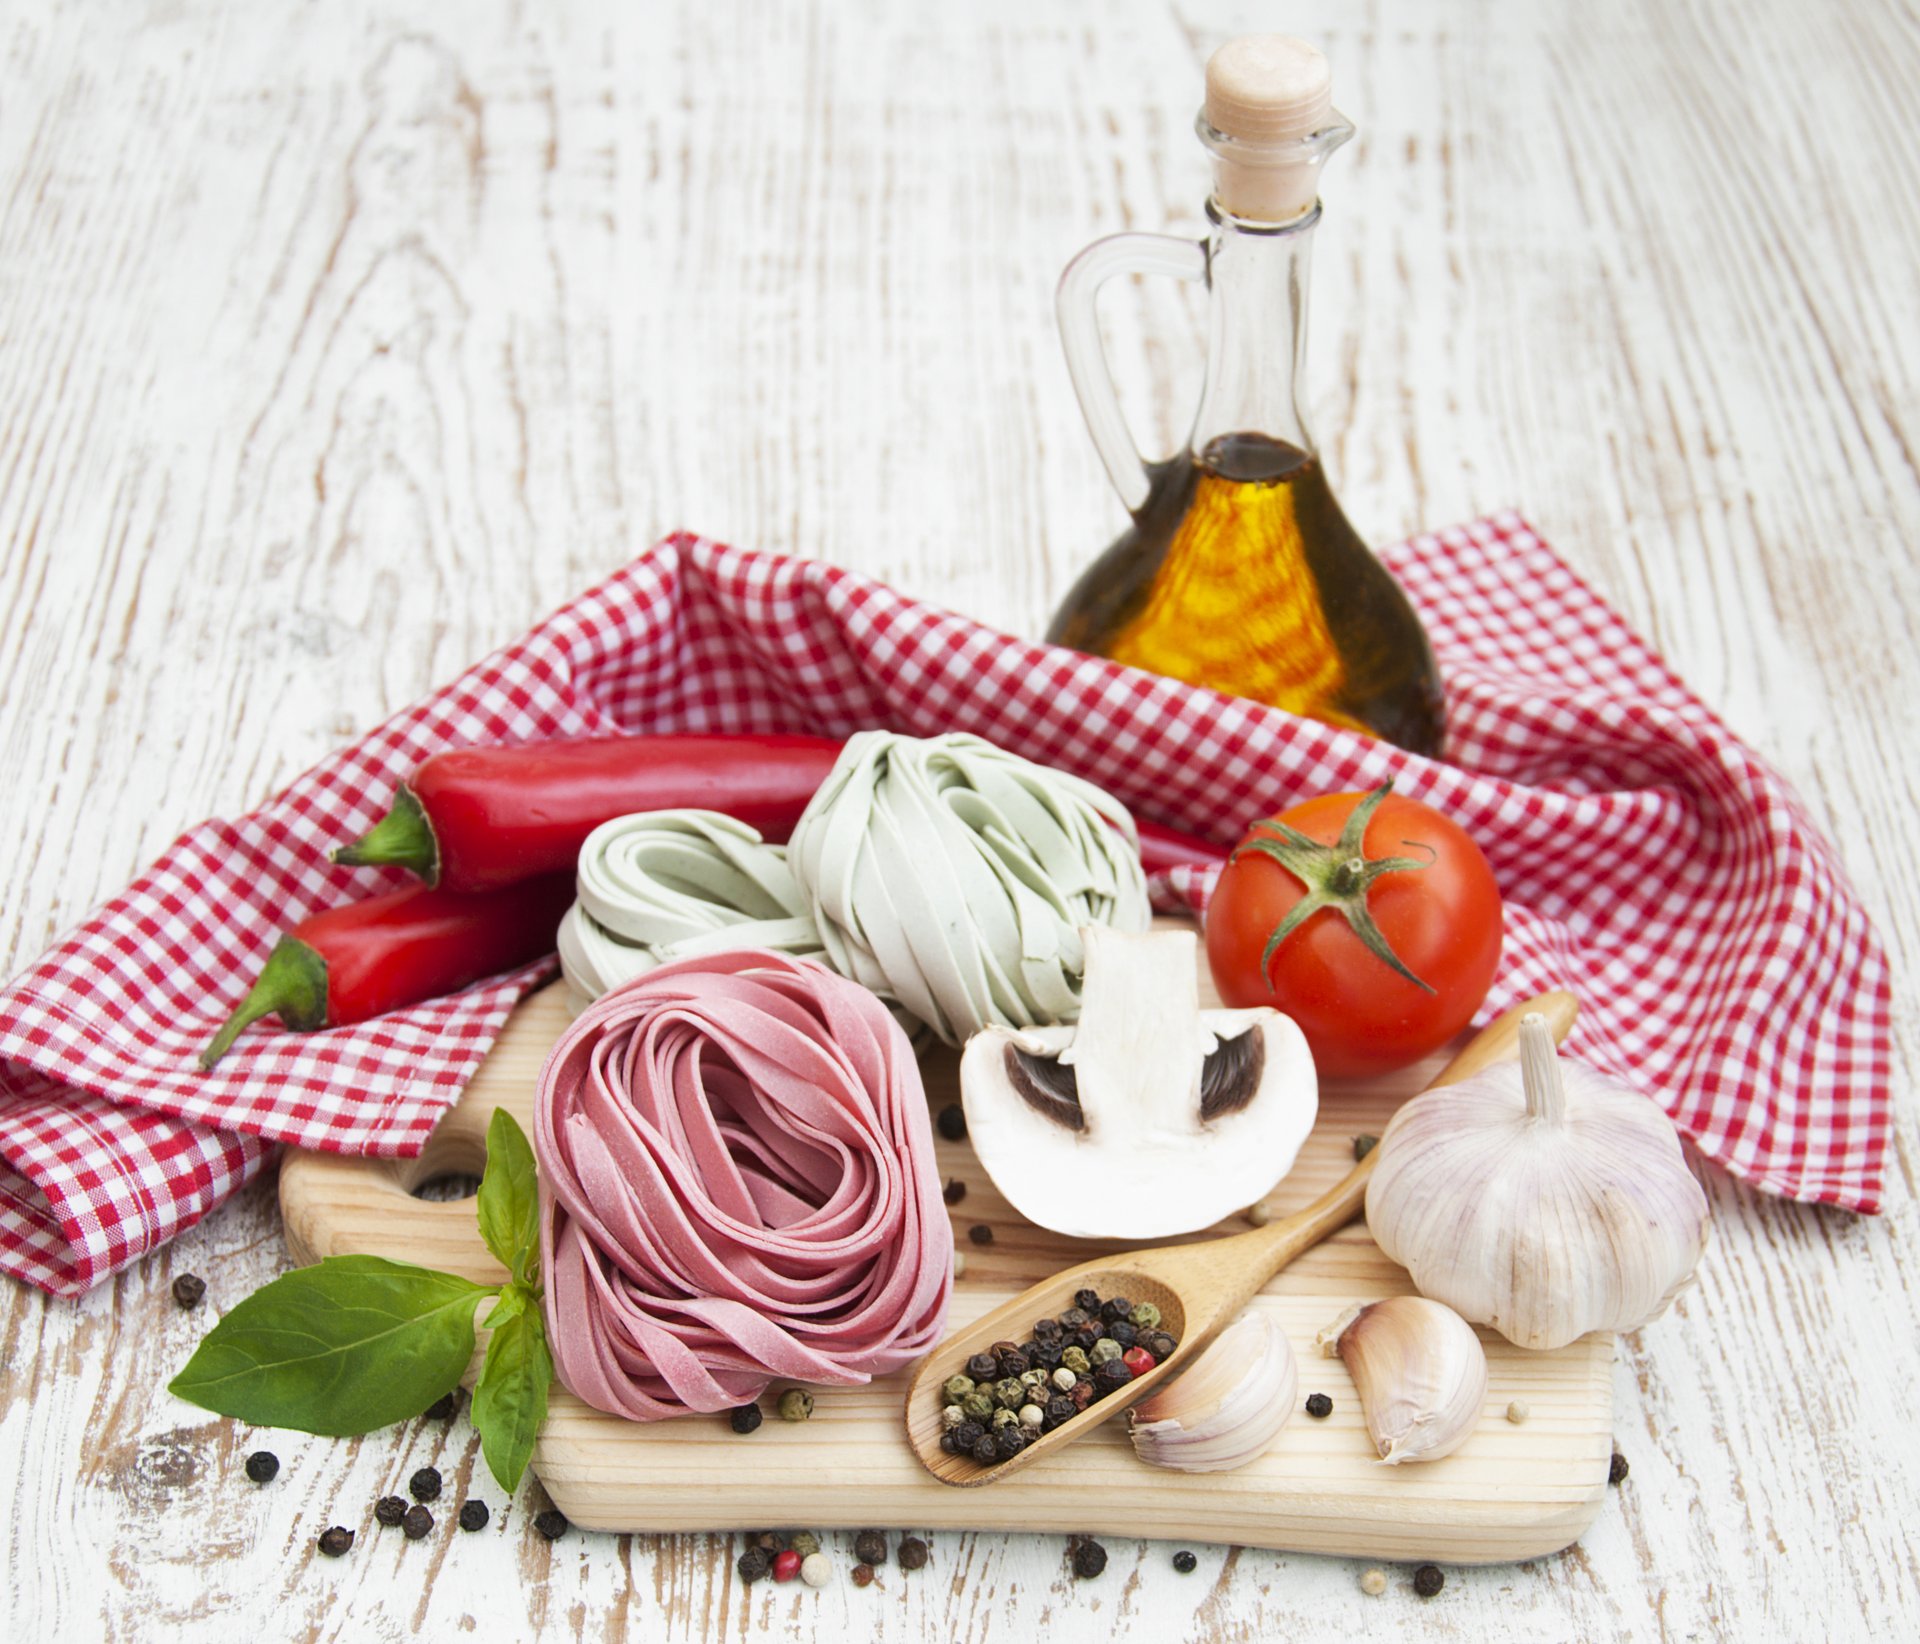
x: 1199, y: 1288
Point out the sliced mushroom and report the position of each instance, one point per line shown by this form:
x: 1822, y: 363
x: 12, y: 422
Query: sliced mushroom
x: 1150, y: 1116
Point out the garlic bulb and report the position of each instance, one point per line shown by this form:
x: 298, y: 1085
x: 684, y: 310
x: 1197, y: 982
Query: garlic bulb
x: 1228, y: 1408
x: 1541, y: 1198
x: 1419, y: 1370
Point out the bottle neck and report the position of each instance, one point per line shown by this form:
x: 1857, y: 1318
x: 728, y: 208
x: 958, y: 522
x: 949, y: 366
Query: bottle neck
x: 1257, y: 276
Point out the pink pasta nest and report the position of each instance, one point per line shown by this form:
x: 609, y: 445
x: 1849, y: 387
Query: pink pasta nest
x: 737, y: 1184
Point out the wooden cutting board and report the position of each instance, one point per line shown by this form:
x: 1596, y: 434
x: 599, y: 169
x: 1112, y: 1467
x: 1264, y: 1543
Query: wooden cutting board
x: 1513, y: 1492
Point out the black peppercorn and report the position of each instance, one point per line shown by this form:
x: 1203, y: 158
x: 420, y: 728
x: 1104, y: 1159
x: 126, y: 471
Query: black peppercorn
x: 744, y: 1418
x: 1082, y: 1394
x: 870, y: 1547
x: 1110, y: 1377
x: 980, y: 1233
x: 335, y: 1541
x: 1010, y: 1441
x: 968, y: 1434
x: 1014, y: 1364
x: 262, y: 1465
x: 949, y: 1443
x: 474, y: 1515
x: 1123, y: 1332
x: 1617, y: 1468
x: 1319, y: 1405
x: 1115, y: 1307
x: 954, y: 1191
x: 1085, y: 1336
x: 552, y: 1524
x: 1089, y: 1559
x: 986, y: 1449
x: 1363, y: 1145
x: 1061, y: 1408
x: 1428, y: 1580
x: 1048, y: 1330
x: 952, y: 1122
x: 1088, y: 1301
x: 1072, y: 1319
x: 913, y: 1553
x: 1046, y: 1355
x: 771, y: 1542
x: 189, y: 1290
x: 390, y: 1510
x: 1185, y: 1562
x: 1158, y: 1343
x: 425, y: 1484
x: 984, y: 1367
x: 416, y: 1525
x: 1001, y: 1347
x: 442, y: 1408
x: 753, y: 1564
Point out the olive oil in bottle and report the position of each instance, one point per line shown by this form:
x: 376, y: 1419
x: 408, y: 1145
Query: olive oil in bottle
x: 1240, y: 572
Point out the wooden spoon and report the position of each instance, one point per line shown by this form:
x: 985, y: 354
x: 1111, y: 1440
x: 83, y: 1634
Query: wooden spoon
x: 1199, y: 1288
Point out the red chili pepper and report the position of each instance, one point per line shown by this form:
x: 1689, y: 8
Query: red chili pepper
x: 474, y: 819
x: 352, y: 963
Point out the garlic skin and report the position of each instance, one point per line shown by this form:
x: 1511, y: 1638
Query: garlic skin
x: 1541, y: 1198
x: 1227, y: 1408
x: 1419, y: 1370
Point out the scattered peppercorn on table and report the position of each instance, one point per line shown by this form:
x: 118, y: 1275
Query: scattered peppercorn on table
x: 345, y: 341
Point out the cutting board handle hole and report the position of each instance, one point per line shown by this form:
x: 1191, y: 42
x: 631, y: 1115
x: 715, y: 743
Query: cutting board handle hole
x: 446, y: 1187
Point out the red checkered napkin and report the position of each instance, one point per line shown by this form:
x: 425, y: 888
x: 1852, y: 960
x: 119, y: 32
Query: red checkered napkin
x: 1650, y: 863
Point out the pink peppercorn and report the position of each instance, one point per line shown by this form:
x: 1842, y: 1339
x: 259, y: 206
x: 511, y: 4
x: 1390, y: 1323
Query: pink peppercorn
x: 786, y: 1565
x: 1138, y: 1360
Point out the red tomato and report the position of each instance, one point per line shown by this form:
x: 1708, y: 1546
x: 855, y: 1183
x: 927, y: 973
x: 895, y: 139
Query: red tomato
x: 1428, y: 890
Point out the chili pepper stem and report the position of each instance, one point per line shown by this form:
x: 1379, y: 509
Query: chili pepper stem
x: 403, y: 838
x: 292, y: 985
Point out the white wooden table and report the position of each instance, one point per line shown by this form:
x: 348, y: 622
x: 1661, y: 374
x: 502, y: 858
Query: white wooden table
x: 338, y: 343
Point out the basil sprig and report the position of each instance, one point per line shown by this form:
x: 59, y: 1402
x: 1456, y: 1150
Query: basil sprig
x: 359, y: 1342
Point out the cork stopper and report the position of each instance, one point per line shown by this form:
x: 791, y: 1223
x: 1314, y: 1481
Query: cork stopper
x: 1270, y: 122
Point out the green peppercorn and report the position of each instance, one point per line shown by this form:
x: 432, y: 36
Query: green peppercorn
x: 1010, y: 1392
x: 796, y: 1404
x: 956, y: 1388
x: 1076, y: 1360
x: 1034, y: 1378
x: 1004, y: 1417
x: 978, y: 1406
x: 806, y: 1543
x: 1105, y: 1349
x: 1145, y: 1316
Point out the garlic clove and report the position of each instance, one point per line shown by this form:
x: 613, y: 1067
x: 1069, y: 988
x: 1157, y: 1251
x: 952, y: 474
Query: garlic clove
x: 1228, y: 1408
x: 1419, y: 1370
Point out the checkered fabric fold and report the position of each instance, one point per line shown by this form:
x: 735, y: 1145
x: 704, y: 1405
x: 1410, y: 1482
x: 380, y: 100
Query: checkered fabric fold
x: 1651, y: 863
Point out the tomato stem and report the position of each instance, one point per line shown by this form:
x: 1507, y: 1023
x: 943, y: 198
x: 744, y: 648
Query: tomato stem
x: 1338, y: 876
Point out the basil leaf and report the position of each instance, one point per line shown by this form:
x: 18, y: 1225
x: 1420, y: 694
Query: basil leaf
x: 354, y: 1343
x: 513, y: 1302
x: 509, y: 1207
x: 510, y: 1399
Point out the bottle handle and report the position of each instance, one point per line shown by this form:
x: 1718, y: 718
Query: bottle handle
x: 1087, y: 361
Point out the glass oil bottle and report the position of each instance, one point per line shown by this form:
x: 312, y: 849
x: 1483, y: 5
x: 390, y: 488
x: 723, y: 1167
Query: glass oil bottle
x: 1240, y: 571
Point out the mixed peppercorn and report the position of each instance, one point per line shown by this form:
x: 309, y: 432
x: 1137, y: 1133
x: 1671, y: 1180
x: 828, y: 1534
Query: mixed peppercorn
x: 1009, y: 1395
